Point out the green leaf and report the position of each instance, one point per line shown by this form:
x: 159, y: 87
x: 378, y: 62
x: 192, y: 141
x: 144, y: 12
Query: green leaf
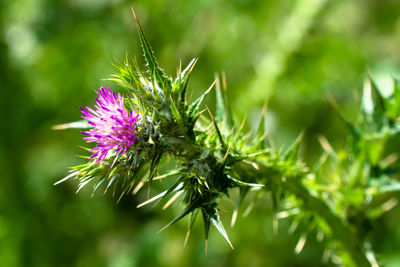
x: 210, y: 214
x: 393, y: 103
x: 373, y: 105
x: 207, y: 224
x: 260, y: 138
x: 220, y: 138
x: 236, y: 182
x: 292, y: 152
x: 193, y: 109
x: 223, y: 113
x: 353, y: 131
x: 184, y: 78
x: 377, y: 97
x: 150, y: 59
x: 219, y: 226
x: 176, y: 113
x: 191, y: 207
x: 276, y: 193
x: 367, y: 104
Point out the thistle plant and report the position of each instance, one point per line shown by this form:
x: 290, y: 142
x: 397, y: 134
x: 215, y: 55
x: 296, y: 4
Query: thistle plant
x: 153, y: 120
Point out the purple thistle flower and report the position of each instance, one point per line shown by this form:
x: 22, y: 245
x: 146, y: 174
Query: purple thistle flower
x: 113, y: 125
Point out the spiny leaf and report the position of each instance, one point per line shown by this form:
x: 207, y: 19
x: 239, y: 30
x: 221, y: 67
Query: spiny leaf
x: 153, y: 165
x: 155, y: 89
x: 162, y: 194
x: 207, y: 224
x: 367, y: 104
x: 352, y: 129
x: 191, y: 207
x: 291, y: 153
x: 176, y: 113
x: 150, y: 59
x: 236, y: 182
x: 242, y: 194
x: 393, y: 106
x: 221, y: 140
x: 260, y: 142
x: 223, y: 113
x: 377, y: 97
x: 192, y: 219
x: 373, y: 105
x: 276, y: 193
x: 193, y: 109
x: 214, y: 218
x: 67, y: 177
x: 184, y: 78
x: 261, y: 124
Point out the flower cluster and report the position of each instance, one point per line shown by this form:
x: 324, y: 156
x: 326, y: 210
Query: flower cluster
x: 113, y: 125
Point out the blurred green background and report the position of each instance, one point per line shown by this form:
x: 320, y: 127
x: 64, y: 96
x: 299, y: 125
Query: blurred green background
x: 53, y: 55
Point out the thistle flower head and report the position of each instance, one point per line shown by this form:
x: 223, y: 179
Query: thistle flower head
x: 113, y: 125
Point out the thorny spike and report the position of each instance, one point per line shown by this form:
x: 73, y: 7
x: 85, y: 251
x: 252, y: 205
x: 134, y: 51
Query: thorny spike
x: 216, y: 127
x: 172, y: 199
